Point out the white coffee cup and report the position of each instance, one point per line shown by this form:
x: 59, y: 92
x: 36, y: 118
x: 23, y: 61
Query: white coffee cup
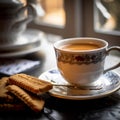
x: 81, y: 60
x: 14, y: 17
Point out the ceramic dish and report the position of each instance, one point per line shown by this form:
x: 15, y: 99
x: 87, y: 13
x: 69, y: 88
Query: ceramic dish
x: 107, y: 84
x: 18, y: 53
x: 29, y: 37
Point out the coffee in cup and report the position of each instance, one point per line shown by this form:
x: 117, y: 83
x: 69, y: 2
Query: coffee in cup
x: 77, y: 47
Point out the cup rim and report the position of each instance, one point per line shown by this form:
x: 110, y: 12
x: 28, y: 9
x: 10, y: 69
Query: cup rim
x: 90, y: 39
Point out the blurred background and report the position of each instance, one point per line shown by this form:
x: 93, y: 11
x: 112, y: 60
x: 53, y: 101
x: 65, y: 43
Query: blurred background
x: 66, y: 18
x: 39, y: 23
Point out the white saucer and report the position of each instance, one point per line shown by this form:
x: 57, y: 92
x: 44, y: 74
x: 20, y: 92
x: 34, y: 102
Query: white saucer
x: 110, y: 83
x: 18, y: 53
x: 29, y: 37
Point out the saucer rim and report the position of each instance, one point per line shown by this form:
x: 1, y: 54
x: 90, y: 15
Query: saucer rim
x: 79, y: 97
x: 26, y: 34
x: 34, y: 48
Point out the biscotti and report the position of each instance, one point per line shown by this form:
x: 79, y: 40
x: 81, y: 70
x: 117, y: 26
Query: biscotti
x: 22, y: 92
x: 30, y: 83
x: 34, y: 102
x: 8, y: 101
x: 5, y: 96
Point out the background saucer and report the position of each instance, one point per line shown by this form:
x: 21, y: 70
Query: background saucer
x: 110, y: 83
x: 21, y: 52
x: 29, y: 37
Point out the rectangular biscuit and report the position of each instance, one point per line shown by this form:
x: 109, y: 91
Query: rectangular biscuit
x: 34, y: 102
x: 5, y: 96
x: 30, y: 83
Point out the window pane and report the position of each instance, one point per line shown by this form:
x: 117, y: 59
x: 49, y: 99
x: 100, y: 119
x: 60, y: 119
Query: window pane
x: 51, y: 12
x: 107, y: 15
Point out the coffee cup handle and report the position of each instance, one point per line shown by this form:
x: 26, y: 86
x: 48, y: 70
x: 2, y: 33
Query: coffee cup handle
x: 33, y: 9
x: 116, y: 48
x: 32, y: 12
x: 31, y: 15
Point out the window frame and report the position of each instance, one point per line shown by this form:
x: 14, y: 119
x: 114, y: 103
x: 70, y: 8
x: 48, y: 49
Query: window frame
x: 71, y: 28
x: 79, y: 22
x: 89, y: 30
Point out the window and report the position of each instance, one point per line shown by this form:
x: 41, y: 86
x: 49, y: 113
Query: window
x: 73, y: 18
x: 52, y: 13
x: 89, y: 24
x: 60, y: 17
x: 107, y: 16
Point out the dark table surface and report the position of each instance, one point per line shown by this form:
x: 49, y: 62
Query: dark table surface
x: 107, y: 108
